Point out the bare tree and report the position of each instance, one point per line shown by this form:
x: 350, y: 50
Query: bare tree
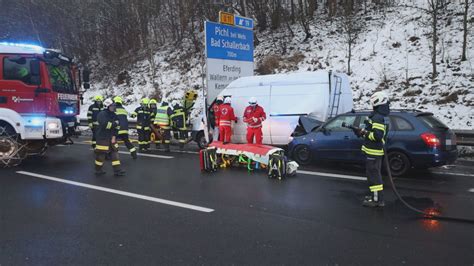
x: 351, y: 27
x: 467, y: 3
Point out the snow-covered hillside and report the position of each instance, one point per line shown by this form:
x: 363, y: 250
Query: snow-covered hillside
x: 391, y: 53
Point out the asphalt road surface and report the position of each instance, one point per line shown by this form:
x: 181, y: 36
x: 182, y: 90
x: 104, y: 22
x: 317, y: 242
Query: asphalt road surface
x: 54, y: 211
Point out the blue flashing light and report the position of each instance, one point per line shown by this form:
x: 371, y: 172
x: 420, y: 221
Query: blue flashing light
x: 33, y: 47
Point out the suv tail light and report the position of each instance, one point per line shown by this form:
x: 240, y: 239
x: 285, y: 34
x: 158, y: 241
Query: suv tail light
x: 430, y: 140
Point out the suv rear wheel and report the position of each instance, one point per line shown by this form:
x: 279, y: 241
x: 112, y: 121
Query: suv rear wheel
x: 399, y: 163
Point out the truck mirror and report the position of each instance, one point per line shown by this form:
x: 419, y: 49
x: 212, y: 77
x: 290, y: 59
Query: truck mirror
x: 86, y: 75
x: 86, y: 78
x: 35, y: 72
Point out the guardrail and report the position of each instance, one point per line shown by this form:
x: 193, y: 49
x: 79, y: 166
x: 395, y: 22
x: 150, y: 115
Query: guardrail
x: 463, y: 137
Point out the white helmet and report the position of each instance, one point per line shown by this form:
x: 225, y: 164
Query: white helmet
x: 379, y: 98
x: 108, y: 102
x: 227, y: 100
x: 220, y: 98
x: 253, y: 101
x: 174, y: 102
x: 291, y: 168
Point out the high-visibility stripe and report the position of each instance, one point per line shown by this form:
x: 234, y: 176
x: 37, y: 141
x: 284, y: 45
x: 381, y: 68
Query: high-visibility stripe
x: 116, y: 145
x: 122, y: 132
x: 142, y: 142
x: 182, y: 141
x: 95, y: 123
x: 139, y: 127
x: 102, y: 148
x: 99, y: 163
x: 133, y: 149
x: 115, y: 163
x: 89, y: 112
x: 376, y: 188
x: 121, y: 112
x: 378, y: 126
x: 371, y: 136
x: 372, y: 151
x: 167, y: 141
x: 109, y: 125
x: 146, y: 128
x: 94, y: 142
x: 225, y: 123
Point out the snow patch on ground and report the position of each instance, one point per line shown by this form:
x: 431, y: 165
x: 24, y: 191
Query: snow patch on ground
x: 391, y: 53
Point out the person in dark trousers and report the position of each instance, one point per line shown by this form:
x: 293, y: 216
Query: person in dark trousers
x: 162, y: 120
x: 178, y: 119
x: 122, y: 116
x: 152, y: 107
x: 216, y: 112
x: 142, y: 114
x: 373, y: 147
x: 107, y: 131
x: 92, y: 113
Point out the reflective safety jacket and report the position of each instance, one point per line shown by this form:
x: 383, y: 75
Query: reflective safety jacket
x: 108, y: 126
x: 152, y: 114
x: 122, y: 116
x: 376, y: 132
x: 178, y: 118
x: 226, y: 115
x: 92, y: 113
x: 252, y: 112
x: 143, y: 117
x: 162, y: 118
x: 215, y: 110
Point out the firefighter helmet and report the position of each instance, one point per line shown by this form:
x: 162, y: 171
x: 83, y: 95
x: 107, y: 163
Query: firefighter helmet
x: 98, y: 98
x: 153, y: 101
x: 145, y: 101
x: 379, y: 98
x: 108, y: 102
x: 118, y: 99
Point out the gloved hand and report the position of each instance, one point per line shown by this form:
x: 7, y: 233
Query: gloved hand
x: 91, y: 125
x: 254, y: 119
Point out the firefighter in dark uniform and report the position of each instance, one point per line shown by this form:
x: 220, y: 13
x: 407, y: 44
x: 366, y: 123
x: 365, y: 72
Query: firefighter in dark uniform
x: 374, y: 136
x: 122, y: 116
x: 107, y: 131
x: 142, y: 114
x: 152, y: 107
x: 162, y: 120
x: 92, y: 113
x: 178, y: 119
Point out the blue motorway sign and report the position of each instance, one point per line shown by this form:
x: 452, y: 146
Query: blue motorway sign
x: 243, y: 22
x: 228, y: 42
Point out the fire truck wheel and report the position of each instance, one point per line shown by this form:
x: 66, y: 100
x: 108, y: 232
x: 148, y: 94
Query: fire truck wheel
x: 11, y: 149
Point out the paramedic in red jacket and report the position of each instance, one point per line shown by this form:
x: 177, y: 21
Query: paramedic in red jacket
x: 254, y: 115
x: 226, y: 116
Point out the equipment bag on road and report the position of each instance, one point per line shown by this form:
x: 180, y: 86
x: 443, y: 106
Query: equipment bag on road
x: 208, y: 160
x: 277, y: 166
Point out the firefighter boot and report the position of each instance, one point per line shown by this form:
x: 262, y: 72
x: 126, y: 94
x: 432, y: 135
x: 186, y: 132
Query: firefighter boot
x: 375, y: 200
x: 167, y: 147
x: 181, y: 146
x: 134, y: 155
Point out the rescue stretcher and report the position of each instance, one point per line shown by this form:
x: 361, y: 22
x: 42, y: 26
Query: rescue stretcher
x: 253, y: 156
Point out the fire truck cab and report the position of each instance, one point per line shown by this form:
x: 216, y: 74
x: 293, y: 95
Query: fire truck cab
x: 39, y: 100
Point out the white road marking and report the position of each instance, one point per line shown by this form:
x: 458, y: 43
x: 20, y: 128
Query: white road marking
x: 446, y: 173
x: 119, y: 192
x: 149, y: 155
x: 471, y: 190
x: 360, y: 178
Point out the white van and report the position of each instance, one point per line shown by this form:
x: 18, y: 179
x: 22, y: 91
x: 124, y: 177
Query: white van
x: 285, y: 97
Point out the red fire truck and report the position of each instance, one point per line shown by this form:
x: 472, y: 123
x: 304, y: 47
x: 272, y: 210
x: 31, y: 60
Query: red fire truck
x: 39, y: 100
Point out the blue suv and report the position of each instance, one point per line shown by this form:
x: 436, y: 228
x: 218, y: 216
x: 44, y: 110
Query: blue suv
x: 415, y: 140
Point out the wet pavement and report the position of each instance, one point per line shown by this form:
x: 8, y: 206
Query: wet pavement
x: 54, y: 211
